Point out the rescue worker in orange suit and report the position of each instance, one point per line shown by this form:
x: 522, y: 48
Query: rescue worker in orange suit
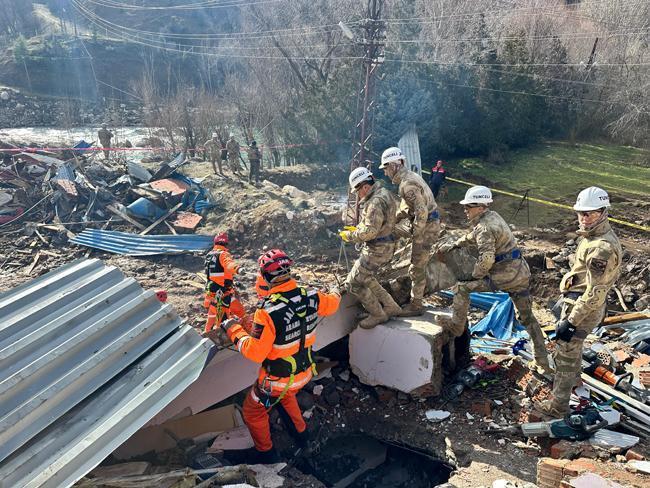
x: 283, y: 332
x: 220, y: 299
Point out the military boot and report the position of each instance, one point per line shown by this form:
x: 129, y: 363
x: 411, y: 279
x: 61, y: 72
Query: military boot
x: 548, y: 410
x: 413, y: 309
x: 540, y: 367
x: 453, y: 329
x: 391, y: 308
x: 377, y: 315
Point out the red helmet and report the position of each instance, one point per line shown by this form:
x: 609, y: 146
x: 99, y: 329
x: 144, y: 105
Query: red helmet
x: 221, y: 239
x: 274, y: 264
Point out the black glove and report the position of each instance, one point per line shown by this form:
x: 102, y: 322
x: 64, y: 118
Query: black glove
x: 228, y: 324
x: 564, y: 330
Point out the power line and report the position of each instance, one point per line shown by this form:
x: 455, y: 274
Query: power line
x: 190, y: 6
x: 581, y: 35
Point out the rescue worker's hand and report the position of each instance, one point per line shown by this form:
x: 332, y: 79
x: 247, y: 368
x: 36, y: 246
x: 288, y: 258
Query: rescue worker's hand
x: 564, y: 330
x: 213, y: 335
x: 228, y: 324
x: 351, y: 228
x: 345, y: 235
x: 446, y: 247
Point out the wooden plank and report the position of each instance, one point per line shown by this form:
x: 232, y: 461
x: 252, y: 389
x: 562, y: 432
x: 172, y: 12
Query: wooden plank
x: 119, y: 213
x: 163, y: 217
x: 627, y: 317
x: 34, y: 263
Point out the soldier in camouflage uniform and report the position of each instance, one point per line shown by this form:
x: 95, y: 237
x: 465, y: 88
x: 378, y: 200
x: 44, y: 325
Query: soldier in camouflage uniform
x: 374, y: 232
x: 593, y: 273
x: 420, y: 211
x: 105, y: 137
x: 255, y: 162
x: 213, y: 150
x: 233, y: 155
x: 499, y: 266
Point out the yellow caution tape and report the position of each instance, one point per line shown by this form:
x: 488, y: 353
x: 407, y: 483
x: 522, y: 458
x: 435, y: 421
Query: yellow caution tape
x: 546, y: 202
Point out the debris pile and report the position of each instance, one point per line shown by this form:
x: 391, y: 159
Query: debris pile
x: 69, y: 192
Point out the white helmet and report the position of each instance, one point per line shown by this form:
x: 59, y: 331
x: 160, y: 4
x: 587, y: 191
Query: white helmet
x: 358, y: 176
x: 477, y: 194
x: 232, y: 134
x: 215, y: 135
x: 592, y: 198
x: 389, y: 155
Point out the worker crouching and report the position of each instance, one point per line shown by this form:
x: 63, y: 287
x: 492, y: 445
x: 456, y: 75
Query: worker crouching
x: 220, y: 269
x: 283, y: 332
x: 499, y: 266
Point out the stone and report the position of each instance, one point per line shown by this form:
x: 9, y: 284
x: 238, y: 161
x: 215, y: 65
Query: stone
x: 405, y: 354
x: 482, y: 408
x: 642, y: 303
x: 333, y: 398
x: 632, y: 455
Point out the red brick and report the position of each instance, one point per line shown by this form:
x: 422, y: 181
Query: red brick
x: 644, y: 377
x: 632, y: 455
x: 621, y: 356
x: 642, y: 360
x: 563, y: 450
x: 574, y: 468
x: 565, y: 484
x: 482, y: 408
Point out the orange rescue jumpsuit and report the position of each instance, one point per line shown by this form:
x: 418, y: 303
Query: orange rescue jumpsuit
x: 220, y: 268
x: 284, y: 329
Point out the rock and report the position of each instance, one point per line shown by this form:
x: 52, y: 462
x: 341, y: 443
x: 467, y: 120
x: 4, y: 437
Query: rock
x: 294, y: 192
x: 632, y: 455
x: 333, y: 398
x: 642, y: 303
x: 629, y: 295
x: 482, y: 408
x: 571, y: 242
x: 305, y: 400
x: 4, y: 96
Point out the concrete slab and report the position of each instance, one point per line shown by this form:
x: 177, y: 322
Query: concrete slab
x: 404, y: 354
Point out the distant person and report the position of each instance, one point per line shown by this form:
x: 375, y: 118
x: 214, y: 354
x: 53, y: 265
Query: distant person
x: 437, y: 178
x: 105, y: 137
x: 233, y: 154
x: 213, y: 151
x: 255, y: 162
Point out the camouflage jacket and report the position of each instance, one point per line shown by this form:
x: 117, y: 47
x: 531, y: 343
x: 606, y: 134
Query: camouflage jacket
x: 417, y: 200
x: 212, y: 147
x: 104, y: 135
x: 378, y: 214
x: 595, y: 270
x: 233, y: 148
x: 254, y: 153
x: 492, y: 236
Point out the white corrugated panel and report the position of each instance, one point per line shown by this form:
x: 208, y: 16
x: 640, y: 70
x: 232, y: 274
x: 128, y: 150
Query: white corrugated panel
x: 86, y: 358
x: 410, y: 146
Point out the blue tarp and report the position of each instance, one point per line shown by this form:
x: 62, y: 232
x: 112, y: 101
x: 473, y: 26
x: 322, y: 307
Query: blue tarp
x: 137, y: 245
x: 144, y: 208
x: 196, y: 196
x: 500, y: 320
x: 81, y: 145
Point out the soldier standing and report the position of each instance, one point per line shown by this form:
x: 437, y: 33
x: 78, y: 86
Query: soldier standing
x: 105, y: 137
x: 255, y: 162
x: 213, y: 150
x: 584, y: 294
x: 499, y: 266
x: 374, y: 232
x: 419, y: 209
x: 233, y: 154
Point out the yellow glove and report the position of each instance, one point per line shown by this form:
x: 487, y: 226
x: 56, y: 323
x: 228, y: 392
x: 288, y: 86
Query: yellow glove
x: 345, y: 235
x: 351, y: 228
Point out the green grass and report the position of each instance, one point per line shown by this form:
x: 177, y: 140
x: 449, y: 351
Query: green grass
x: 558, y: 171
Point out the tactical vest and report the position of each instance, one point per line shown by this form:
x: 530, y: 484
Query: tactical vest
x: 214, y: 269
x: 295, y: 315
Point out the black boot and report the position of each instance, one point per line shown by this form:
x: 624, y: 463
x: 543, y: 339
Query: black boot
x: 267, y: 457
x: 461, y: 346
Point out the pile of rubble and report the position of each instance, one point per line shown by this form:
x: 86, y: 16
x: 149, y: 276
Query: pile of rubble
x: 68, y: 191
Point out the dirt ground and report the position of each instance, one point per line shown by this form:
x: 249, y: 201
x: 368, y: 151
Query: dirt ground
x: 258, y: 218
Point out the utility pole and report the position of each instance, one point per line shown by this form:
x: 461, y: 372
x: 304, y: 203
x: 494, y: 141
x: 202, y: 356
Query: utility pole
x: 373, y: 43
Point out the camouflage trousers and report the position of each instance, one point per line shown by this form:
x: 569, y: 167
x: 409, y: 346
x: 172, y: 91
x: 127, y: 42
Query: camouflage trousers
x: 523, y: 307
x: 420, y: 253
x: 233, y: 163
x: 361, y: 281
x: 568, y: 358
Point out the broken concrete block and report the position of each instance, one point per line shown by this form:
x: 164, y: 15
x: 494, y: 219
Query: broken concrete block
x: 405, y: 354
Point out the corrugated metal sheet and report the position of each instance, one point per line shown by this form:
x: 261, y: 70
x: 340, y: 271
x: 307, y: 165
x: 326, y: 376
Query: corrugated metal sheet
x: 410, y: 146
x: 137, y: 245
x: 86, y: 358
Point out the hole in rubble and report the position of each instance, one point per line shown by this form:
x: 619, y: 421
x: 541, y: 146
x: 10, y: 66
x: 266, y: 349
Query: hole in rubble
x: 361, y: 461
